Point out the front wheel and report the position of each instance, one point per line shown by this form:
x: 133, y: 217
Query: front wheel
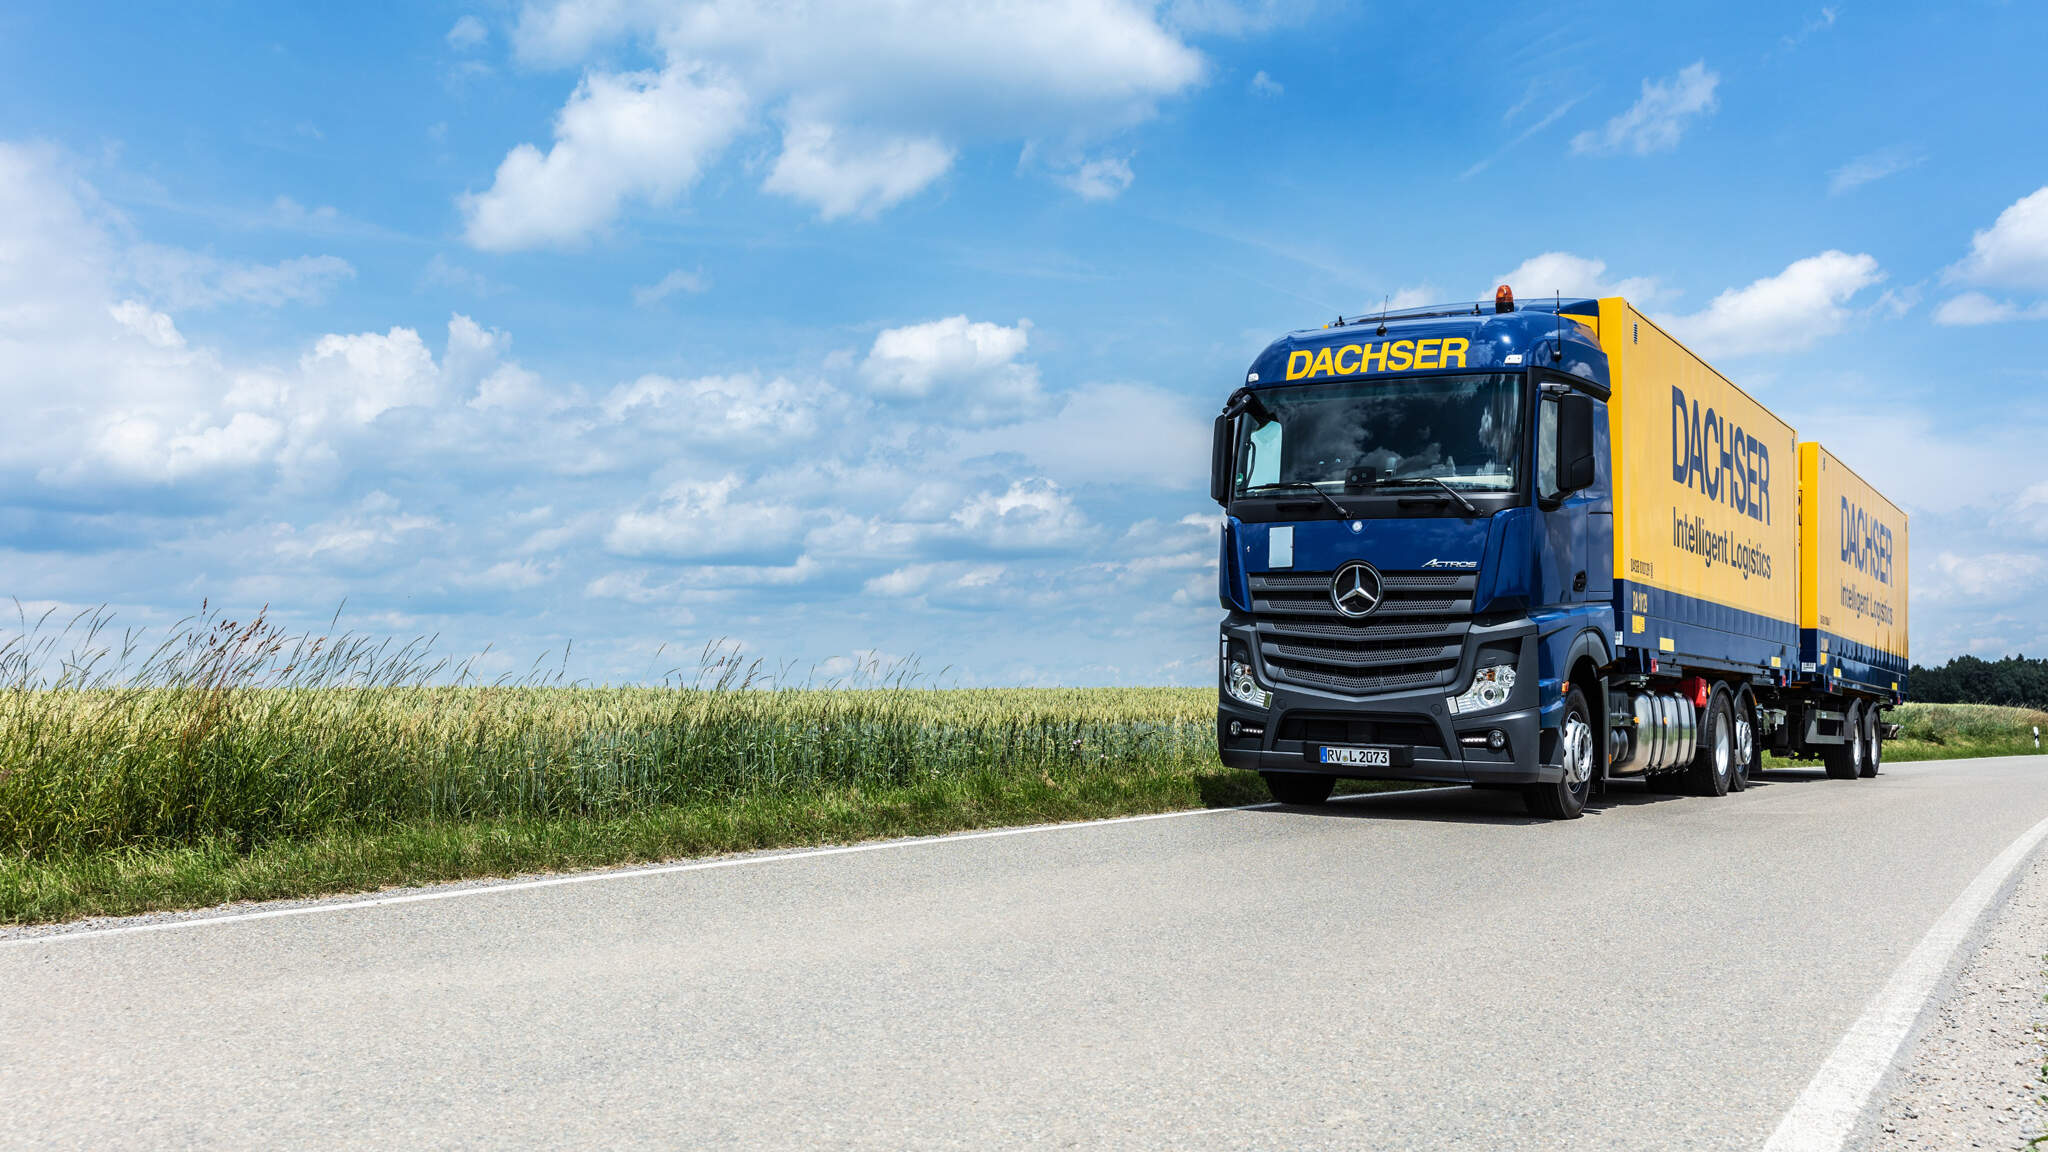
x: 1578, y: 754
x: 1303, y: 788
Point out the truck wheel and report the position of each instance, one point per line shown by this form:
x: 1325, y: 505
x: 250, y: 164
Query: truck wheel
x: 1303, y: 788
x: 1747, y: 758
x: 1873, y: 743
x: 1844, y: 761
x: 1714, y: 764
x: 1566, y: 799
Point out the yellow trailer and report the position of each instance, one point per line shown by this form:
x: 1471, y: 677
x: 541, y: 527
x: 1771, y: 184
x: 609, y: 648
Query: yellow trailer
x: 1852, y: 571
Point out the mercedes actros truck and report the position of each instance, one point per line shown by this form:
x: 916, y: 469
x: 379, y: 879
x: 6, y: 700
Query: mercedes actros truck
x: 1540, y: 546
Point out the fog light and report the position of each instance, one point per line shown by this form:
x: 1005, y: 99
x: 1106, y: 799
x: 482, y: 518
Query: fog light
x: 1496, y: 739
x: 1237, y: 727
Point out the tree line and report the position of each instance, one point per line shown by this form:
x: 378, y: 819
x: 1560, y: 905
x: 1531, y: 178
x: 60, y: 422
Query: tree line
x: 2013, y: 680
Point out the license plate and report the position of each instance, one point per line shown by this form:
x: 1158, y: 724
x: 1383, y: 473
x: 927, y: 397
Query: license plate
x: 1359, y: 757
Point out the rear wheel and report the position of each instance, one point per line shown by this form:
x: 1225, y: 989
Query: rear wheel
x: 1578, y: 755
x: 1747, y: 757
x: 1714, y: 764
x: 1845, y: 760
x: 1304, y: 788
x: 1873, y: 743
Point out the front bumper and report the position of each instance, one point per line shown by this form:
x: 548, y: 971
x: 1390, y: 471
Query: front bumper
x: 1416, y: 726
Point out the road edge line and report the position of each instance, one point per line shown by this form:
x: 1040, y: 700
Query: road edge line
x: 557, y: 881
x: 1828, y: 1112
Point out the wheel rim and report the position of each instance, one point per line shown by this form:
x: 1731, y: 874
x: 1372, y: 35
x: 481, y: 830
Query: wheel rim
x: 1724, y: 741
x: 1578, y: 752
x: 1745, y: 741
x: 1856, y: 748
x: 1876, y: 748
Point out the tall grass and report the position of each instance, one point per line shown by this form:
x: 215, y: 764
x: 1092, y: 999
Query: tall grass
x: 239, y: 731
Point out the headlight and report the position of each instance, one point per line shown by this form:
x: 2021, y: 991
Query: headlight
x: 1491, y: 687
x: 1238, y: 681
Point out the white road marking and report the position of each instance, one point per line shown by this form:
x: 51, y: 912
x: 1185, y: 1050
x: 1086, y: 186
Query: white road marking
x: 635, y: 873
x: 1825, y: 1115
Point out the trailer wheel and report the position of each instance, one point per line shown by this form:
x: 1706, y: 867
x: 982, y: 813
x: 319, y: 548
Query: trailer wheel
x: 1844, y: 761
x: 1307, y: 789
x: 1714, y: 764
x: 1748, y: 758
x: 1873, y: 743
x: 1566, y: 799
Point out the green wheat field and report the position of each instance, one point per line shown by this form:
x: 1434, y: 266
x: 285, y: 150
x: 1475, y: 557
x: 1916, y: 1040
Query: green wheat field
x: 234, y: 761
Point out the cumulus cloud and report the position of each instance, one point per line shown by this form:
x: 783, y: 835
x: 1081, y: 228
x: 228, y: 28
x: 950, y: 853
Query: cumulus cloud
x: 632, y: 135
x: 701, y: 518
x: 1658, y: 118
x: 1264, y: 85
x: 2013, y: 252
x: 845, y: 180
x: 1030, y: 515
x: 1805, y: 303
x: 972, y: 368
x: 919, y: 78
x: 467, y: 34
x: 1564, y: 273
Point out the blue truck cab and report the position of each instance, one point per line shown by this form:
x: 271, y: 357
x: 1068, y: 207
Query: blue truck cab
x: 1417, y: 556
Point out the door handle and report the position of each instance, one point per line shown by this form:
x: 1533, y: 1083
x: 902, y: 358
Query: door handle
x: 1579, y: 582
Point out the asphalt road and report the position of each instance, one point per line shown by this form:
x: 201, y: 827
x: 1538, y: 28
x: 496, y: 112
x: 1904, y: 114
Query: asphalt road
x: 1409, y: 971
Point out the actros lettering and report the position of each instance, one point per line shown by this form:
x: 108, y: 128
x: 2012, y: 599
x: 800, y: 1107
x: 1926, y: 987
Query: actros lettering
x: 1866, y: 543
x: 1718, y: 460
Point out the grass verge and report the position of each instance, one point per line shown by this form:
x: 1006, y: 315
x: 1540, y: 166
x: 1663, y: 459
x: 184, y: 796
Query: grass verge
x: 136, y: 879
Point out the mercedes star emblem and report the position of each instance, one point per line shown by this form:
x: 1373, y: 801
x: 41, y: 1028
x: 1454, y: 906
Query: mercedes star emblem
x: 1356, y: 589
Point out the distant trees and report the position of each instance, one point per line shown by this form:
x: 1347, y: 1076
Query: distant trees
x: 2014, y: 680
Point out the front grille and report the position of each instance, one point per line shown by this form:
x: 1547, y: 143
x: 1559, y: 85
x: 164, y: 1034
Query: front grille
x: 1413, y: 641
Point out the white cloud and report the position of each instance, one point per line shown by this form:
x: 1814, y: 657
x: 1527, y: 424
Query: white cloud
x: 926, y: 579
x: 1659, y: 117
x: 2013, y: 252
x: 701, y: 518
x: 919, y: 79
x: 1031, y: 515
x: 634, y: 135
x: 1872, y: 167
x: 1563, y: 273
x: 1089, y: 440
x: 971, y: 368
x: 467, y: 33
x: 840, y: 180
x: 744, y: 411
x: 1794, y: 309
x: 1105, y: 178
x: 1972, y: 308
x: 183, y: 280
x: 1264, y: 85
x: 366, y: 375
x: 678, y: 280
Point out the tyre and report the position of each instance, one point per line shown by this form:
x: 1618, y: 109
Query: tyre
x: 1873, y: 743
x: 1303, y: 788
x: 1714, y: 763
x: 1748, y: 755
x: 1579, y: 753
x: 1844, y: 761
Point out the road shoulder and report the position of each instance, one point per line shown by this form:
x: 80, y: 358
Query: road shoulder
x: 1973, y: 1077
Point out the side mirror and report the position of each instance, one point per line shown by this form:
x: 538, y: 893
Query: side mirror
x: 1220, y: 459
x: 1575, y: 463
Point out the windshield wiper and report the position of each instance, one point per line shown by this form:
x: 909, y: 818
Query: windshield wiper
x: 1470, y: 507
x: 1298, y: 485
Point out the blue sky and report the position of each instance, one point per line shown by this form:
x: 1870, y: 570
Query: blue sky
x: 879, y: 331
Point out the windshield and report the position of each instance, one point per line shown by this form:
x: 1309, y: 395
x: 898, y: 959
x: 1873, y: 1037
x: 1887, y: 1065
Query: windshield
x: 1414, y: 432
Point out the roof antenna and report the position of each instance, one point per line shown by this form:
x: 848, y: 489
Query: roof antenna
x: 1384, y: 302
